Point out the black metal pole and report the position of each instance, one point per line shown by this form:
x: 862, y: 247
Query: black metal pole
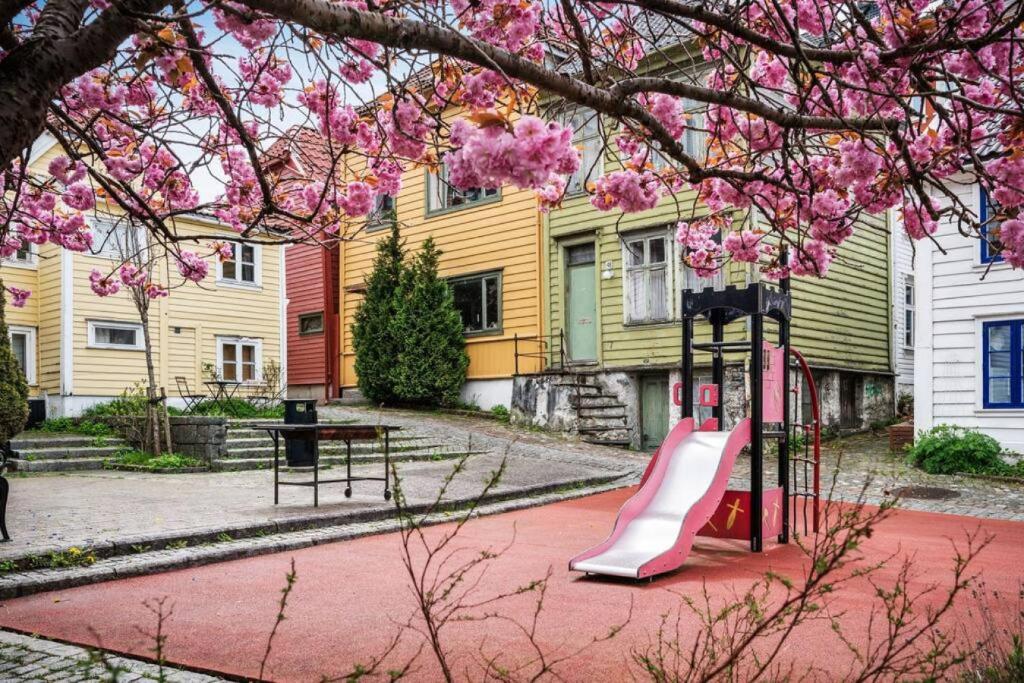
x: 718, y: 367
x: 687, y: 367
x: 756, y: 431
x: 786, y: 419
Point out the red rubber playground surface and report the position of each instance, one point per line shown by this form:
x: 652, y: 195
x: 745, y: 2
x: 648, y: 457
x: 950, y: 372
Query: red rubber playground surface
x: 350, y: 597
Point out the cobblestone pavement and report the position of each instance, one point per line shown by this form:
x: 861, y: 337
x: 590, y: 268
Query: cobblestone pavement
x: 862, y: 464
x: 859, y: 459
x: 96, y: 509
x: 24, y: 658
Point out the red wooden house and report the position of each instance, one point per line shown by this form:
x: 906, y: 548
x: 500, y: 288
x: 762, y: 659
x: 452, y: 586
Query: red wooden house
x: 311, y: 280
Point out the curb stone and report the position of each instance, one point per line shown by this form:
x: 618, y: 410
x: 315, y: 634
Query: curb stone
x: 29, y: 658
x: 18, y: 584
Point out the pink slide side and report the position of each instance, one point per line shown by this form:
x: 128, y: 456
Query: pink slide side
x: 680, y: 492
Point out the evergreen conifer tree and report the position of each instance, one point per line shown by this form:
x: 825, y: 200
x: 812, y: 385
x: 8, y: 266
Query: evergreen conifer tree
x: 432, y: 363
x: 376, y: 335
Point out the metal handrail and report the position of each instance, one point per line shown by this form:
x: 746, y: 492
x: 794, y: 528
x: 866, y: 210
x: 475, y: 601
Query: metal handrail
x: 543, y: 351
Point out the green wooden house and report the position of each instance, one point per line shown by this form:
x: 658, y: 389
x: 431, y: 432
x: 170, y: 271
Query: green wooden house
x: 612, y: 286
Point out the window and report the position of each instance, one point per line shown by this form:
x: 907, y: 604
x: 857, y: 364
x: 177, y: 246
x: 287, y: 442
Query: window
x: 695, y: 140
x: 113, y: 239
x: 478, y: 301
x: 647, y: 278
x: 115, y: 335
x: 441, y: 195
x: 1002, y: 359
x: 990, y: 222
x: 383, y: 214
x: 586, y: 125
x: 23, y: 343
x: 311, y: 323
x: 908, y: 311
x: 238, y: 359
x: 241, y: 268
x: 25, y: 256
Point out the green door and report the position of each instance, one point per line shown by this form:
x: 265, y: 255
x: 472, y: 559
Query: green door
x: 653, y: 411
x: 581, y: 312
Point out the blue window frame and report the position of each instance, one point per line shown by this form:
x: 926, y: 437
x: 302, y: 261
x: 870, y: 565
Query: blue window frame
x: 988, y: 209
x: 1003, y: 359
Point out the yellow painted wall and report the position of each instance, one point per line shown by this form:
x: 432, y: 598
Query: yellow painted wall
x: 497, y: 235
x: 201, y: 313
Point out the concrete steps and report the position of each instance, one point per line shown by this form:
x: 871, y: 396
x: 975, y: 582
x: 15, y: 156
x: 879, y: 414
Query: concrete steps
x: 62, y: 452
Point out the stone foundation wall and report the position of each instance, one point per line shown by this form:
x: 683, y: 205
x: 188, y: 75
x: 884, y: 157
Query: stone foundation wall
x: 541, y: 401
x: 204, y: 438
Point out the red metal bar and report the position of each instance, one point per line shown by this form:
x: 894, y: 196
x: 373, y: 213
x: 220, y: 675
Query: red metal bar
x: 816, y: 418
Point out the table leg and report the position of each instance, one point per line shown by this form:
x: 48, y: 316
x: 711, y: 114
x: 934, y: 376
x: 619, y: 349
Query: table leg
x: 348, y: 468
x: 5, y: 488
x: 387, y: 464
x: 316, y: 472
x: 277, y: 457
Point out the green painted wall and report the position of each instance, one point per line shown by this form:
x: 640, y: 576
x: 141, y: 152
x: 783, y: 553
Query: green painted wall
x: 840, y: 322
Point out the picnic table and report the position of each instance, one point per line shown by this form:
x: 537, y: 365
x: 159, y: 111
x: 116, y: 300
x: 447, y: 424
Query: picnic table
x: 325, y: 431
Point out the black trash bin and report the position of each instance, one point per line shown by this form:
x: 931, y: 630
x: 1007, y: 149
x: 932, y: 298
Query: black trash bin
x: 299, y: 447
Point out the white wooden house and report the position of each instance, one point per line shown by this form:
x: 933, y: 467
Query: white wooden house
x: 904, y: 307
x: 969, y: 368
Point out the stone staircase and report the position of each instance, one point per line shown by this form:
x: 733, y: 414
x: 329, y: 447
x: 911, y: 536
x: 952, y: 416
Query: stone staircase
x: 601, y: 417
x: 45, y: 452
x: 253, y: 449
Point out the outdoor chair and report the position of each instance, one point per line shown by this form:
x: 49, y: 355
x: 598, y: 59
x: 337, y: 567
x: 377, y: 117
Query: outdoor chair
x: 192, y: 400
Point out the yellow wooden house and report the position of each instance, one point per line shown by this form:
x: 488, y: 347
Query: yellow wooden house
x: 492, y: 250
x: 78, y: 349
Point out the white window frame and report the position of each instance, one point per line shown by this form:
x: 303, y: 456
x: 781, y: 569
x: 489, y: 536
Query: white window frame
x: 911, y: 309
x: 257, y: 271
x: 139, y: 345
x: 30, y: 263
x: 646, y: 237
x: 586, y: 125
x: 30, y: 349
x: 437, y: 197
x: 238, y: 343
x: 111, y: 248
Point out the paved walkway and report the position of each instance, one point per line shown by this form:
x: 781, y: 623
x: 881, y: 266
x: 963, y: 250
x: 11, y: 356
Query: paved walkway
x: 24, y: 658
x: 98, y: 509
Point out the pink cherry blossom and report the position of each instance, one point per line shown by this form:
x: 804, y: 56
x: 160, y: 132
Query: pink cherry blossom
x: 626, y: 190
x: 18, y: 296
x: 131, y: 275
x: 192, y: 266
x: 103, y: 285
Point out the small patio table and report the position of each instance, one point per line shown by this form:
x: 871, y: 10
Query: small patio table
x: 325, y: 431
x: 222, y: 390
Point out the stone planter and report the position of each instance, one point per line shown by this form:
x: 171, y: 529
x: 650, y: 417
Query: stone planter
x: 900, y: 436
x: 203, y: 438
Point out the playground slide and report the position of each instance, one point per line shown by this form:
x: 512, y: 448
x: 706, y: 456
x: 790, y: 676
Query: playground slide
x: 681, y: 490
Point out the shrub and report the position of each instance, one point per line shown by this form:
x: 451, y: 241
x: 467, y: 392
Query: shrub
x: 432, y: 360
x: 237, y: 407
x: 501, y: 412
x: 948, y: 449
x: 375, y: 337
x: 13, y: 388
x: 132, y: 401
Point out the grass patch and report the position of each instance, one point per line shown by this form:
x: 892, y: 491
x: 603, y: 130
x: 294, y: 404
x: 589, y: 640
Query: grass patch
x: 68, y: 425
x: 237, y: 407
x: 167, y: 461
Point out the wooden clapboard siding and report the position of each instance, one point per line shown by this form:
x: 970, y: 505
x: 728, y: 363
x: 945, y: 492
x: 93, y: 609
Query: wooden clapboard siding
x: 183, y: 359
x: 842, y: 321
x: 619, y: 344
x: 23, y: 277
x: 500, y: 235
x: 307, y: 354
x: 956, y: 295
x: 50, y: 300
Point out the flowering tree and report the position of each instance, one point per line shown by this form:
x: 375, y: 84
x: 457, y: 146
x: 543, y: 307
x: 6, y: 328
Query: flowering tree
x: 812, y: 112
